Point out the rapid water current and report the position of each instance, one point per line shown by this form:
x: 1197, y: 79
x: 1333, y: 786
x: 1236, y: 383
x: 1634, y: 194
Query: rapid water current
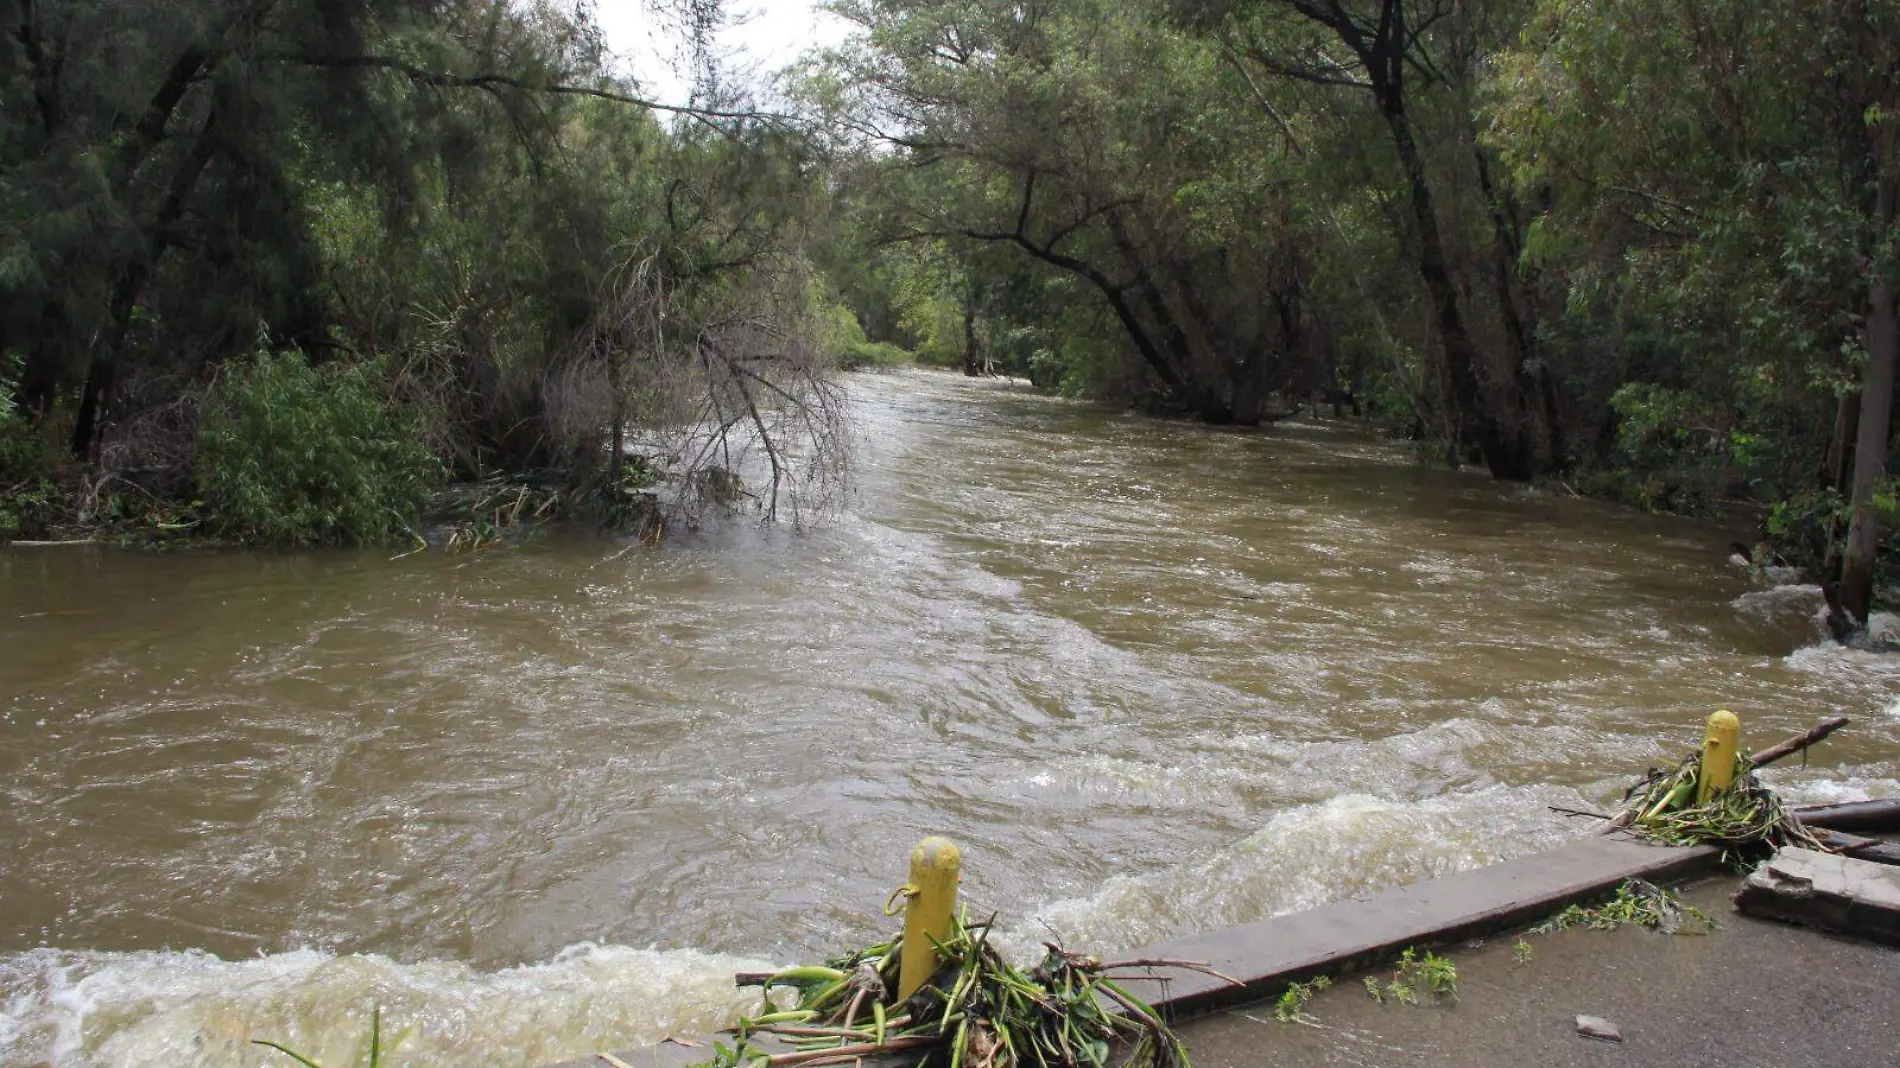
x: 543, y: 800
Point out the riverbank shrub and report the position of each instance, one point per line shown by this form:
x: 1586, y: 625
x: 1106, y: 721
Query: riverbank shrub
x: 295, y: 454
x: 27, y: 462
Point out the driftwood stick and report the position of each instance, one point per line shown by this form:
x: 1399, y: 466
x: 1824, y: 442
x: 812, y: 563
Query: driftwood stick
x: 1839, y: 841
x: 1188, y: 965
x: 845, y: 1053
x: 1799, y: 742
x: 1855, y: 846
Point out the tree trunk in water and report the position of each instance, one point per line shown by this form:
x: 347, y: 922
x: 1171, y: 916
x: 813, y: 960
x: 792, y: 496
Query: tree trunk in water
x: 1536, y: 415
x: 1506, y: 459
x: 1870, y: 457
x: 972, y: 354
x: 1201, y: 399
x: 1876, y: 410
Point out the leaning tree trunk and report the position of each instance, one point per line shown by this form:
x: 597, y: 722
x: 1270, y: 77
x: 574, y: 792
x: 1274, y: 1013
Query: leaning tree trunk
x: 1876, y: 407
x: 1537, y: 415
x: 129, y: 285
x: 1505, y: 458
x: 972, y: 348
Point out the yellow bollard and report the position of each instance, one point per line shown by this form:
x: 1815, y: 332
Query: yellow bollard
x: 1718, y: 755
x: 931, y: 904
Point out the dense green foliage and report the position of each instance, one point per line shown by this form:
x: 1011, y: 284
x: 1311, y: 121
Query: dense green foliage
x: 291, y: 453
x: 458, y: 207
x: 1645, y: 249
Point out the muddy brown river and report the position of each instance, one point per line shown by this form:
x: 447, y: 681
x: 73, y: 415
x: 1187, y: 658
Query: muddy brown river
x: 543, y: 800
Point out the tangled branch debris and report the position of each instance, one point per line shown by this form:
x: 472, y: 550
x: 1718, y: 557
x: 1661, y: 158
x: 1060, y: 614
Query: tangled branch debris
x: 978, y: 1011
x: 1661, y: 805
x: 1662, y: 808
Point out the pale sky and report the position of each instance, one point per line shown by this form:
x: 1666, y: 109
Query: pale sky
x: 767, y: 35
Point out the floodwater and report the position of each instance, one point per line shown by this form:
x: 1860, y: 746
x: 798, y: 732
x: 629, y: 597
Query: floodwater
x: 544, y: 800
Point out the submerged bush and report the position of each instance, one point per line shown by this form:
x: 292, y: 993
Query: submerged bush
x: 849, y: 348
x: 873, y: 355
x: 294, y: 454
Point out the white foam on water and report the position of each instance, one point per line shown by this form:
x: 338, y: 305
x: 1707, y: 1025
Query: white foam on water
x: 1308, y: 855
x: 1839, y: 786
x: 1883, y: 630
x: 1778, y: 601
x: 74, y: 1009
x: 1831, y: 657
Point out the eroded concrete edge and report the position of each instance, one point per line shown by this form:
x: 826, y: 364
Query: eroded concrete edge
x: 1354, y: 935
x: 1828, y: 892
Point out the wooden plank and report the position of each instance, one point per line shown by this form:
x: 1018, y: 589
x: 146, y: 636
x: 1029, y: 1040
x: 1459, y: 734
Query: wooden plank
x: 1834, y: 893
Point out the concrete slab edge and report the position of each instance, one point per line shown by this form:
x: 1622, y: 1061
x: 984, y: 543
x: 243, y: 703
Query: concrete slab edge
x: 1356, y: 935
x: 1855, y: 898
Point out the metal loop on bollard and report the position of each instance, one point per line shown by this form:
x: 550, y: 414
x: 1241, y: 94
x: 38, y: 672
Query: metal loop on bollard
x: 891, y: 906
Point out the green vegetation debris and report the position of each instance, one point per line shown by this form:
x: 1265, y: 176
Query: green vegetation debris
x: 978, y: 1011
x: 1740, y: 819
x: 1420, y: 976
x: 1291, y: 1008
x: 1636, y: 904
x: 295, y: 453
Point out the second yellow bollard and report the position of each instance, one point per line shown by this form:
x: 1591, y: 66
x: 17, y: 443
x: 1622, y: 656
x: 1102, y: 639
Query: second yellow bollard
x: 932, y: 904
x: 1718, y: 755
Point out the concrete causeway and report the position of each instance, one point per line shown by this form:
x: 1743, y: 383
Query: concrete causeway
x: 1751, y: 994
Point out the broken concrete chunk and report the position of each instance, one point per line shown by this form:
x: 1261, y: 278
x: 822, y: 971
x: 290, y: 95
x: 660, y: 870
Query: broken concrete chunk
x: 1598, y: 1027
x: 1853, y: 897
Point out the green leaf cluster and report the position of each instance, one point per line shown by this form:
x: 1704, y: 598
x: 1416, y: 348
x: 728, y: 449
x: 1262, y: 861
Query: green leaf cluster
x: 291, y: 453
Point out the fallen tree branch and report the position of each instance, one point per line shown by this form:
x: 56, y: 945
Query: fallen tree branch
x: 1799, y: 742
x: 491, y: 80
x: 1876, y: 816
